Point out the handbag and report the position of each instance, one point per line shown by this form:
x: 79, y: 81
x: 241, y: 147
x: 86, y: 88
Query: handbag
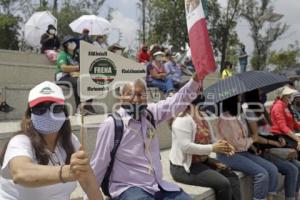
x: 284, y: 153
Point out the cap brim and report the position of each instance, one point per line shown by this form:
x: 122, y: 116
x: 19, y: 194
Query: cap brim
x: 46, y: 99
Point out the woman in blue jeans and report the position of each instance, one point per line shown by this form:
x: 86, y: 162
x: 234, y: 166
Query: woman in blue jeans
x: 156, y: 75
x: 258, y: 123
x: 233, y: 128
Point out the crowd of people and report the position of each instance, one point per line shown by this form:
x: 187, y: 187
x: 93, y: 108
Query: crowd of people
x: 45, y: 158
x: 165, y: 70
x: 65, y: 55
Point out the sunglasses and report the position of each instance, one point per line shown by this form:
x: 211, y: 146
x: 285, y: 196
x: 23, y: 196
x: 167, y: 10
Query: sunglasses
x: 41, y: 109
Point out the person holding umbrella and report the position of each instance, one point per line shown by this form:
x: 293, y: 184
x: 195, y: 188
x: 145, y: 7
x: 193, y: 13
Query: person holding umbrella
x: 50, y: 43
x: 45, y: 160
x: 85, y: 36
x: 233, y: 128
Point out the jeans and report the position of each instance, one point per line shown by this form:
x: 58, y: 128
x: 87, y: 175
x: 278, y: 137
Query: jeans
x: 136, y: 193
x: 75, y: 86
x: 297, y: 164
x: 263, y: 172
x: 224, y: 183
x: 243, y: 68
x: 164, y: 85
x: 290, y: 171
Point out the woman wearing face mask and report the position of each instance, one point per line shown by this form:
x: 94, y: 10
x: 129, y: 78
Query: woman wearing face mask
x: 67, y: 69
x: 45, y: 159
x: 282, y: 119
x: 156, y: 75
x: 50, y: 43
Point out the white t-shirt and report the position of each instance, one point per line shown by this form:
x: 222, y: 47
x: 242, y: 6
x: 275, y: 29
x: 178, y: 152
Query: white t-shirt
x: 20, y: 146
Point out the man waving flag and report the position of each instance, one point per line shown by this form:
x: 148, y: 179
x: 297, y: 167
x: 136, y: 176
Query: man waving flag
x: 200, y: 45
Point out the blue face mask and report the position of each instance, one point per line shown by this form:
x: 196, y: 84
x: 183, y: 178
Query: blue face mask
x: 135, y: 110
x: 48, y: 123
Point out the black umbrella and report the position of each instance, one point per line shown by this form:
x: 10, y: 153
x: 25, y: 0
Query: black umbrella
x: 291, y: 73
x: 244, y: 82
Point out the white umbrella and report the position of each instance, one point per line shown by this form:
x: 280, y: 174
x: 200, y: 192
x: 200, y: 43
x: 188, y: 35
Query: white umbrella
x: 96, y: 25
x: 36, y: 26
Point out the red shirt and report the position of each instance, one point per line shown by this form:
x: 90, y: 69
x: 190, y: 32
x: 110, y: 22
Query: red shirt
x: 282, y: 119
x: 202, y: 137
x: 143, y: 57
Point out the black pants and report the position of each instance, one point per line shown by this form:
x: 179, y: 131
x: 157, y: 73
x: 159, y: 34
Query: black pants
x: 75, y: 85
x: 225, y: 183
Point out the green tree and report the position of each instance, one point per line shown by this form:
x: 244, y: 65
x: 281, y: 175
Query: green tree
x: 265, y: 29
x: 284, y: 59
x: 221, y: 25
x: 9, y: 25
x: 9, y: 31
x: 167, y: 24
x: 68, y: 13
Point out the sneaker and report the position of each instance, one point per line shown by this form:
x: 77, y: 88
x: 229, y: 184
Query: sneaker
x: 89, y: 110
x: 4, y: 107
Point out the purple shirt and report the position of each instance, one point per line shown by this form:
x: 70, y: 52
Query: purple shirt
x: 137, y: 161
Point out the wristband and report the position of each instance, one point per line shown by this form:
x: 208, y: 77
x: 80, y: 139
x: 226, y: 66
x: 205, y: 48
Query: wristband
x: 60, y: 174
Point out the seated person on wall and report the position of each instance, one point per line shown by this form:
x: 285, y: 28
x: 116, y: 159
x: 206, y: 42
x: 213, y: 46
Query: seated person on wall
x: 233, y: 128
x: 143, y: 55
x: 192, y: 137
x: 50, y: 43
x: 283, y: 122
x: 156, y: 75
x: 116, y: 48
x: 173, y: 71
x: 67, y: 70
x: 101, y: 41
x: 256, y: 118
x: 85, y: 36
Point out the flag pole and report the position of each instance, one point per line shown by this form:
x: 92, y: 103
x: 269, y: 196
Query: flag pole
x: 82, y: 133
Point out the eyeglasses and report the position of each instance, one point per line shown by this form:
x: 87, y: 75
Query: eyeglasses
x: 41, y: 109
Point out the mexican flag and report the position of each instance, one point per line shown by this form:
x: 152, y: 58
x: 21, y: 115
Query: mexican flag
x: 200, y: 45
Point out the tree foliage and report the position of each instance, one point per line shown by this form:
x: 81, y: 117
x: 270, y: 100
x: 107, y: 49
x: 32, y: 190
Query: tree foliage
x: 9, y: 25
x: 221, y: 24
x: 265, y: 29
x: 167, y: 23
x: 286, y: 59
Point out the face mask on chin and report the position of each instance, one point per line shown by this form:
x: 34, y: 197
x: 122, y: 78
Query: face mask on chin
x: 135, y: 110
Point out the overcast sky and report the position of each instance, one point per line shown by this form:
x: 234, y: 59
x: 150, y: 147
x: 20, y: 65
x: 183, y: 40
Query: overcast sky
x: 126, y: 19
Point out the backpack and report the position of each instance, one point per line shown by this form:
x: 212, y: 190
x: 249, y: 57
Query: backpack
x: 119, y: 130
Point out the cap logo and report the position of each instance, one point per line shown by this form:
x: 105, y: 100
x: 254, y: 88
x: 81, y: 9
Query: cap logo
x: 46, y: 90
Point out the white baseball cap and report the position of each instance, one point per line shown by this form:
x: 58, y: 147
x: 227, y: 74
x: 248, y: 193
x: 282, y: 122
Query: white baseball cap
x: 45, y: 92
x: 159, y: 53
x: 286, y: 91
